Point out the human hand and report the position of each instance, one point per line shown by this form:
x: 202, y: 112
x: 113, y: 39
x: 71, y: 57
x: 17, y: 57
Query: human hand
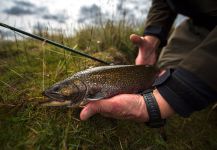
x: 126, y: 106
x: 147, y: 49
x: 123, y: 106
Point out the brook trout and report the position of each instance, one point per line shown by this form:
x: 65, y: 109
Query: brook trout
x: 102, y: 82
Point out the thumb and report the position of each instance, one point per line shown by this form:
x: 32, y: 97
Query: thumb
x: 89, y: 110
x: 138, y: 40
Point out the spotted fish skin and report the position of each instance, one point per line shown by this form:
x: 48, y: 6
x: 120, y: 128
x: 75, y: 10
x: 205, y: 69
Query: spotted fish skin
x: 103, y: 82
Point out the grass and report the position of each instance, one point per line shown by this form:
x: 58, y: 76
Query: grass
x: 27, y: 67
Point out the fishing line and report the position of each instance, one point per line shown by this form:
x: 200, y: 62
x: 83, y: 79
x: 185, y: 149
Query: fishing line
x: 53, y: 43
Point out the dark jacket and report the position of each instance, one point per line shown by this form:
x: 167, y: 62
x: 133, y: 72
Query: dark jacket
x: 163, y: 13
x: 193, y: 85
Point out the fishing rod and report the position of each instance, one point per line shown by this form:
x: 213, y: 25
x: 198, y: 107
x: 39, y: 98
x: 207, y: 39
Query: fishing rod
x: 53, y: 43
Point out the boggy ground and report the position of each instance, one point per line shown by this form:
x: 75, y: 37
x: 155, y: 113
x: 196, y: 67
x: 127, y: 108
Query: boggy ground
x: 27, y: 67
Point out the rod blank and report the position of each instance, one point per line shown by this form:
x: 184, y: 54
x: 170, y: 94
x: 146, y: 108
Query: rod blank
x: 53, y: 43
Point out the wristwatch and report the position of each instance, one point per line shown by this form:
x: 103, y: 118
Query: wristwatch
x: 155, y: 120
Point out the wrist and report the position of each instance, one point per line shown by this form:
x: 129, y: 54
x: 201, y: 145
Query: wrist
x: 165, y: 109
x: 142, y: 114
x: 155, y: 118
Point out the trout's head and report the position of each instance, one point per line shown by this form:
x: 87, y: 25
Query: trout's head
x: 69, y: 89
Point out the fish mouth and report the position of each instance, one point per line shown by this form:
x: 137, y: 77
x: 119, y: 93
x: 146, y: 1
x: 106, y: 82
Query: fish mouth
x: 54, y: 96
x: 78, y: 86
x: 58, y: 103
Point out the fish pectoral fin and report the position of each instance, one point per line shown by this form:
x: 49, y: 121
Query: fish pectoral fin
x: 95, y: 97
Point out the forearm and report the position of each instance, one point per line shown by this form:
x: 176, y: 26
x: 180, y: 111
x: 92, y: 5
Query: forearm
x: 184, y: 91
x: 165, y: 109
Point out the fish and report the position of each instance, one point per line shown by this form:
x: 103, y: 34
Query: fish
x: 101, y: 83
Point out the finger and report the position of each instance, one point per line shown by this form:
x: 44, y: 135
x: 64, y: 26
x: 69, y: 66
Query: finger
x: 89, y: 110
x: 138, y: 40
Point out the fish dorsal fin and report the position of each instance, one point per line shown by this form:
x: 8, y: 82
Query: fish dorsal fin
x: 96, y: 96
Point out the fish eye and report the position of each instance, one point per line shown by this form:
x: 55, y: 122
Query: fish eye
x: 56, y: 88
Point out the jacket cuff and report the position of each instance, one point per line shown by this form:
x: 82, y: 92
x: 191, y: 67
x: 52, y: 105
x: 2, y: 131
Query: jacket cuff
x: 184, y: 91
x: 157, y: 31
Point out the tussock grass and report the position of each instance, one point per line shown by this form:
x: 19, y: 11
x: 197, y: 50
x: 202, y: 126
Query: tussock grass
x: 28, y: 66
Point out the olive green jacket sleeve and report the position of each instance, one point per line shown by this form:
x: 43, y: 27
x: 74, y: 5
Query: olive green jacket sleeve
x: 159, y: 20
x: 202, y: 61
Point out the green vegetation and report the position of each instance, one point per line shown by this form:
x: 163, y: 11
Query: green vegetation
x: 27, y: 67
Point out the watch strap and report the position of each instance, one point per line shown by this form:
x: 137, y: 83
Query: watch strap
x: 155, y: 120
